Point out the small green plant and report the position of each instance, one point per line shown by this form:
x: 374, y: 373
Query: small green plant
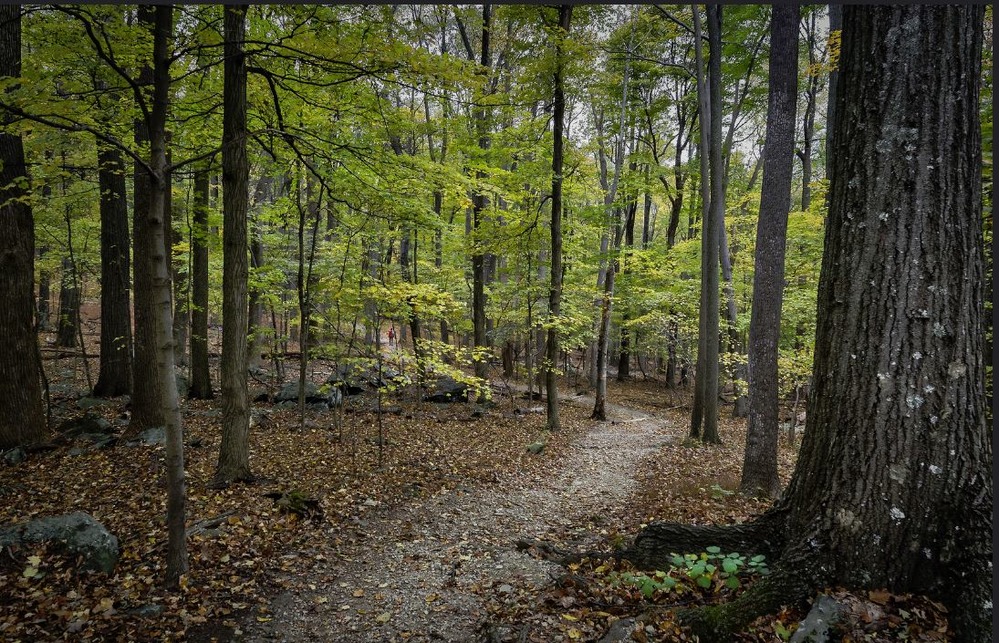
x: 781, y: 631
x: 703, y: 569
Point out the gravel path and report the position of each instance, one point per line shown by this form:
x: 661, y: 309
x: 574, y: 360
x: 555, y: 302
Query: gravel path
x: 413, y: 579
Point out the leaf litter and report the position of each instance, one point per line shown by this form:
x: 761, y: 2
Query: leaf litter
x: 423, y: 547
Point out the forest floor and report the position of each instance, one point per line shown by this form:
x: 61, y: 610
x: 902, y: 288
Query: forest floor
x: 430, y: 523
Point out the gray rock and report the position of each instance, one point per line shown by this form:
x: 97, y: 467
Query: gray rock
x: 150, y: 437
x: 825, y: 613
x: 348, y: 379
x: 79, y: 532
x: 290, y: 393
x: 620, y: 631
x: 17, y: 455
x: 447, y: 390
x: 100, y: 441
x: 151, y: 609
x: 88, y: 423
x: 85, y: 403
x: 183, y: 385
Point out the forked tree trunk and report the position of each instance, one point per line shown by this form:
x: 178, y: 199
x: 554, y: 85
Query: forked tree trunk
x: 115, y: 376
x: 234, y: 453
x: 897, y: 405
x: 759, y: 469
x: 22, y: 420
x: 704, y: 417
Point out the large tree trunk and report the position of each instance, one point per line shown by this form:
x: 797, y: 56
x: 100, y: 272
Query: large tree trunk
x: 201, y: 380
x: 234, y: 453
x: 478, y: 206
x: 704, y: 418
x: 115, y: 377
x: 893, y: 486
x: 22, y: 420
x: 555, y: 288
x: 146, y: 409
x: 759, y: 469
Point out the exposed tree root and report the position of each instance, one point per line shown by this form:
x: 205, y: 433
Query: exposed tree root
x: 655, y: 544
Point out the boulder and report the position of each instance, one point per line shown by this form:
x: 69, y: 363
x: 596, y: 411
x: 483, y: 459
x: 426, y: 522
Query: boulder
x: 88, y: 423
x: 88, y: 402
x: 447, y: 390
x: 289, y: 393
x: 318, y: 398
x: 17, y: 455
x: 386, y: 378
x: 150, y: 437
x: 78, y: 532
x: 183, y: 385
x: 348, y: 379
x: 620, y: 631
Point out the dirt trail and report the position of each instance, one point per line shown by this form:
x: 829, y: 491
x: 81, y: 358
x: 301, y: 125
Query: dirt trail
x: 421, y: 562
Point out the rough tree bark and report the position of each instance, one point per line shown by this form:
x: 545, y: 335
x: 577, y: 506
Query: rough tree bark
x: 893, y: 486
x: 555, y: 287
x: 234, y: 453
x: 22, y: 420
x: 201, y: 380
x: 759, y: 469
x: 115, y: 376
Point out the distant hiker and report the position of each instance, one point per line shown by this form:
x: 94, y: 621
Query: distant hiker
x: 391, y: 335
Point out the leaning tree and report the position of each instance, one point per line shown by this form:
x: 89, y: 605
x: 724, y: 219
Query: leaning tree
x: 893, y: 486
